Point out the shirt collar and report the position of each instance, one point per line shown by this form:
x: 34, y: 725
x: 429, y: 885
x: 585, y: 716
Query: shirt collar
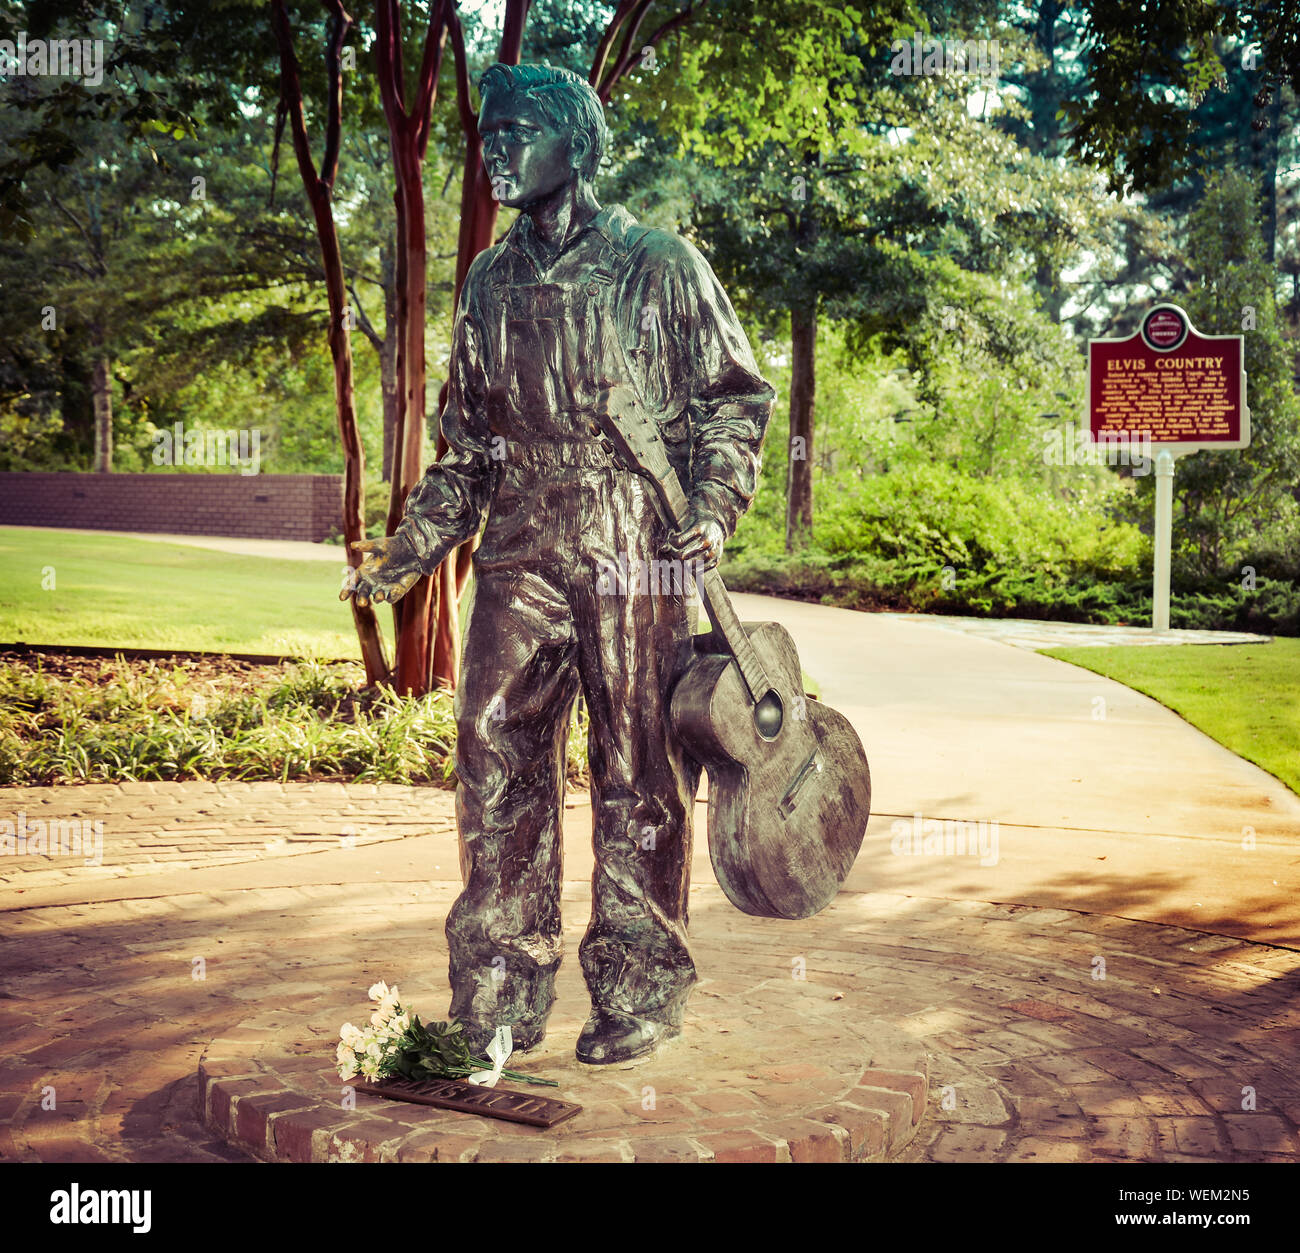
x: 610, y: 223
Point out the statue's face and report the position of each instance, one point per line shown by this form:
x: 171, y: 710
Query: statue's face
x: 526, y: 157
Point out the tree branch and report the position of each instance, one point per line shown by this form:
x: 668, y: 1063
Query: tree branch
x: 364, y: 322
x: 72, y: 217
x: 388, y: 53
x: 621, y: 14
x: 679, y: 19
x: 468, y: 119
x: 625, y: 54
x: 340, y: 24
x: 435, y: 41
x: 291, y: 94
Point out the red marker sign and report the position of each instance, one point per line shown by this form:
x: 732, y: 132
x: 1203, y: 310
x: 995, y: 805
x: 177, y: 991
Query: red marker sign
x: 1168, y: 385
x: 1172, y: 390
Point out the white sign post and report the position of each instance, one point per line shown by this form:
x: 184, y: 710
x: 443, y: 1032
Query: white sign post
x: 1164, y: 467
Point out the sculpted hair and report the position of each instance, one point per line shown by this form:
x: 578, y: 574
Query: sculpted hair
x: 562, y: 97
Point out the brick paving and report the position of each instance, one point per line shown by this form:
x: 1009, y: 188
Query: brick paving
x: 1184, y: 1051
x: 152, y: 828
x: 770, y: 1068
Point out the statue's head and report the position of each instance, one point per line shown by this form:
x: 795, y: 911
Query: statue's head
x: 542, y: 130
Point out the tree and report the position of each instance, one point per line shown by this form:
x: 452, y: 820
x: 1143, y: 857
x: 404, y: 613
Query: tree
x: 319, y: 186
x: 1227, y: 501
x: 914, y: 234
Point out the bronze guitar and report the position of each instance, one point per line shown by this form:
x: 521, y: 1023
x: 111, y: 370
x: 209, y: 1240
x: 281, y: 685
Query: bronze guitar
x: 789, y: 784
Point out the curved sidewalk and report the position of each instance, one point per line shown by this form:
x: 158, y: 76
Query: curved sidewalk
x: 1104, y: 800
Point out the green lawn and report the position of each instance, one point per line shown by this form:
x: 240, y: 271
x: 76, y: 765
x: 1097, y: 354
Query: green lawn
x: 1246, y: 696
x: 127, y: 593
x: 131, y: 593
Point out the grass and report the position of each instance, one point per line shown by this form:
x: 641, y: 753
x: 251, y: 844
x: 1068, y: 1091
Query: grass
x: 1245, y: 696
x: 124, y: 721
x: 126, y: 593
x: 159, y: 722
x: 155, y: 721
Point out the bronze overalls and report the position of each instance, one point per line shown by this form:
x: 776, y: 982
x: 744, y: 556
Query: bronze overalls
x: 540, y: 627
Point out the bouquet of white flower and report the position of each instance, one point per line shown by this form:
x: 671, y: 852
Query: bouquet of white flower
x: 399, y: 1046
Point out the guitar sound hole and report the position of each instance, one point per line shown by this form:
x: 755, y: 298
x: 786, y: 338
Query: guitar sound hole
x: 768, y: 716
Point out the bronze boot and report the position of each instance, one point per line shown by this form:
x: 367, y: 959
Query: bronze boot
x: 611, y: 1036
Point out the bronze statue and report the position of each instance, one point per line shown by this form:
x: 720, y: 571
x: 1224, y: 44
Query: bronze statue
x: 533, y: 355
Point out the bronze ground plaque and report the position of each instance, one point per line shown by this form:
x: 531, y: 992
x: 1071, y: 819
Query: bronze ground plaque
x: 468, y: 1098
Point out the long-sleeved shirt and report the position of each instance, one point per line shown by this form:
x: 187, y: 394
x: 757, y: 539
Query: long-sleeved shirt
x: 526, y: 366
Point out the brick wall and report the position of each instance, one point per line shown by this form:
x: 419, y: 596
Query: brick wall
x: 254, y: 506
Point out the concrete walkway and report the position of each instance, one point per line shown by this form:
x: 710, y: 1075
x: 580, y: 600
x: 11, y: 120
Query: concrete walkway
x: 1105, y: 800
x: 289, y: 550
x: 1121, y: 834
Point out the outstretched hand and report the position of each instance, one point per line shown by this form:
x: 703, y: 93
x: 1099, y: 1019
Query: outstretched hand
x: 389, y: 571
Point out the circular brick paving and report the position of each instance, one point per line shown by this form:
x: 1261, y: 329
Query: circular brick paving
x: 1050, y: 1034
x: 770, y: 1067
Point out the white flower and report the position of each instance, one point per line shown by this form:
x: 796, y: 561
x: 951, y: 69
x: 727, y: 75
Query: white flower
x: 380, y: 991
x: 350, y: 1035
x: 370, y: 1067
x: 400, y: 1025
x: 379, y: 1019
x: 346, y: 1071
x: 375, y: 1050
x: 344, y: 1054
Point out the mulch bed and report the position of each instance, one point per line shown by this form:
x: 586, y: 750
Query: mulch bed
x: 87, y: 666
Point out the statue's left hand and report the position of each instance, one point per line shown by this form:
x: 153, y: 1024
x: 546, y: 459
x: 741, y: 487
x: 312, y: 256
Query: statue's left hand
x: 701, y: 540
x: 390, y: 569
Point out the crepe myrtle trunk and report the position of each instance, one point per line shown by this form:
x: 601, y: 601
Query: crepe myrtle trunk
x: 413, y: 613
x: 478, y: 219
x: 803, y: 388
x: 320, y: 195
x: 354, y: 457
x: 102, y: 398
x: 388, y: 381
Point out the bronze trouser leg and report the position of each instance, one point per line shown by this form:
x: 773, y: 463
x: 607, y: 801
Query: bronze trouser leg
x: 517, y: 687
x: 633, y: 644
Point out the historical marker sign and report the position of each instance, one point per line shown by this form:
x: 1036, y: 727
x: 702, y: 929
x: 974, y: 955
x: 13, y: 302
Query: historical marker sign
x: 1168, y: 385
x: 1170, y: 389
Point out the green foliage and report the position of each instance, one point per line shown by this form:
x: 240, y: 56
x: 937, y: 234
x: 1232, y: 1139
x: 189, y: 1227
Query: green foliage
x: 157, y: 722
x: 909, y: 586
x: 925, y: 536
x: 1147, y: 68
x: 376, y: 507
x: 1230, y: 505
x: 932, y: 515
x: 792, y: 70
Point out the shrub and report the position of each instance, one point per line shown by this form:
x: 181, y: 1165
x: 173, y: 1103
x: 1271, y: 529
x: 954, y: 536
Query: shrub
x: 156, y: 722
x: 929, y: 514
